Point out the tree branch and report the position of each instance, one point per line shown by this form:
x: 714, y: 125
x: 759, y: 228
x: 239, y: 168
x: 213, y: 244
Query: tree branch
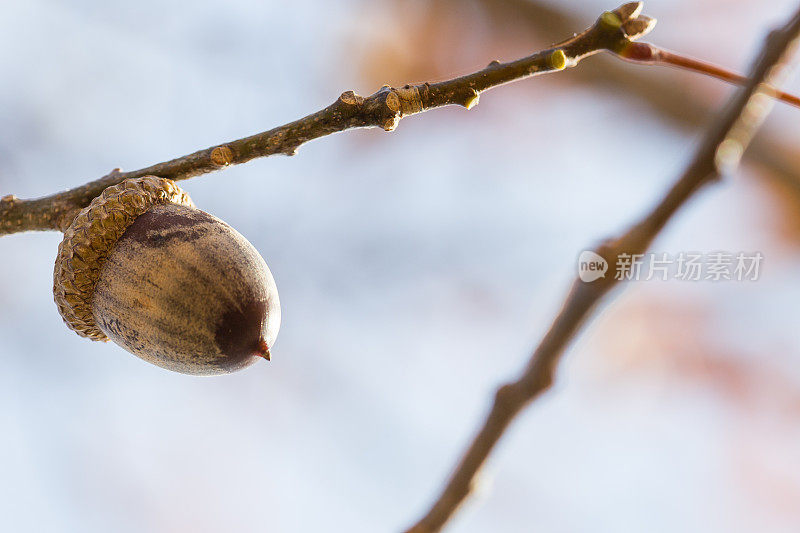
x: 719, y: 153
x: 649, y: 54
x: 383, y: 109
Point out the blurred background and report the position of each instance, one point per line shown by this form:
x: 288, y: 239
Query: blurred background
x: 416, y: 269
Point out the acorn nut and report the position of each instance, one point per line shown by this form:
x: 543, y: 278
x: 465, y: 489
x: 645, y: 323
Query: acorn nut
x: 171, y: 284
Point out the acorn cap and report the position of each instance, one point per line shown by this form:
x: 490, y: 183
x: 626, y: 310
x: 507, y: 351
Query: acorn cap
x: 89, y: 239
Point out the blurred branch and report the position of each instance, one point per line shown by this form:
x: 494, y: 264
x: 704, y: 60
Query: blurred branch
x: 720, y: 152
x: 383, y: 109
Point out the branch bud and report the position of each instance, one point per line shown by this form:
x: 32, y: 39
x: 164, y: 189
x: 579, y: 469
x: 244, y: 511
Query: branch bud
x: 629, y: 11
x: 638, y: 27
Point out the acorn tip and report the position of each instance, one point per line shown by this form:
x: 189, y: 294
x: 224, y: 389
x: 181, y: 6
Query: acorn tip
x: 263, y: 349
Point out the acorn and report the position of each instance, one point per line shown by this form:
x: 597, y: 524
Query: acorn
x: 173, y: 285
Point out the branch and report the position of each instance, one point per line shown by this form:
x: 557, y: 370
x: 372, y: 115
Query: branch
x: 383, y: 109
x: 719, y: 153
x: 650, y: 54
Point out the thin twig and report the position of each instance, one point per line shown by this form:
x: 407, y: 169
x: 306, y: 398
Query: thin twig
x: 719, y: 153
x: 383, y: 109
x: 671, y: 102
x: 650, y: 54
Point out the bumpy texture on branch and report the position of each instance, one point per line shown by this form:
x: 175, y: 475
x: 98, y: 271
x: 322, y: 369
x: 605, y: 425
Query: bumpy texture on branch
x: 719, y: 152
x: 383, y: 109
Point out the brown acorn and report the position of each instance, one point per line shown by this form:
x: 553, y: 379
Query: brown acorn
x: 171, y: 284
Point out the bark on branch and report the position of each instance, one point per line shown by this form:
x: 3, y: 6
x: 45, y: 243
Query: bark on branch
x: 382, y: 109
x: 719, y: 153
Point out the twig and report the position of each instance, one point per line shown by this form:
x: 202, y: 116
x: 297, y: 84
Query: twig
x: 671, y: 102
x: 383, y: 109
x: 650, y: 54
x: 719, y: 153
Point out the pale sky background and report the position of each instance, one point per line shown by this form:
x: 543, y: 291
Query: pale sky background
x: 416, y: 270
